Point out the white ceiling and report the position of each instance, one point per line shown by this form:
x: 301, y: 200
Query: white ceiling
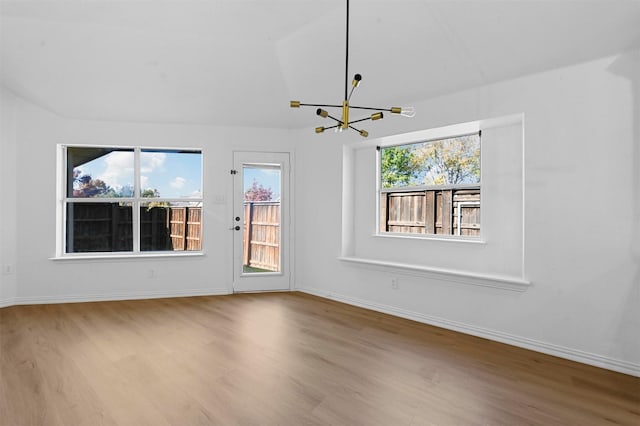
x: 239, y: 62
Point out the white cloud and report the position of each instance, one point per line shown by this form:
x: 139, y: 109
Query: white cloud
x: 178, y: 182
x: 118, y: 169
x: 270, y: 172
x: 144, y: 182
x: 151, y: 161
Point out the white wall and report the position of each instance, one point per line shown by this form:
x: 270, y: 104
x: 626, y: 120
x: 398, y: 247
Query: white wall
x: 581, y: 218
x: 8, y: 178
x: 582, y: 214
x: 29, y: 208
x: 498, y: 253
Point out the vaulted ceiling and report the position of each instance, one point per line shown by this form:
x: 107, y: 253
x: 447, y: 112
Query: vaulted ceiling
x: 239, y: 62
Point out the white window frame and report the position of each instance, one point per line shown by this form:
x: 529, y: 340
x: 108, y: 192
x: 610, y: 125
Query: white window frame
x: 63, y: 200
x: 436, y: 258
x: 460, y: 131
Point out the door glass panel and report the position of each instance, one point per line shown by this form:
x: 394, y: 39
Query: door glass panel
x: 262, y: 211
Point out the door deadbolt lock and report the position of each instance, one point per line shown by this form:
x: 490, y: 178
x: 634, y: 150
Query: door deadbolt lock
x: 237, y: 218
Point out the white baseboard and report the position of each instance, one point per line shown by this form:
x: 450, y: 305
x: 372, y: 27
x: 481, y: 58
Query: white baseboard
x: 4, y: 303
x: 71, y: 298
x: 522, y: 342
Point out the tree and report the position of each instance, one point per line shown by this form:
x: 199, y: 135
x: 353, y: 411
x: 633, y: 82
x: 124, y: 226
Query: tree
x: 153, y: 193
x: 398, y: 166
x: 150, y: 193
x: 85, y: 186
x: 258, y: 193
x: 449, y: 161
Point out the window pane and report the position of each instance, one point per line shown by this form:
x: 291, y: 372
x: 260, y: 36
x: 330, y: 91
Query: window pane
x: 431, y: 187
x: 451, y: 161
x: 170, y: 174
x: 170, y: 226
x: 262, y: 250
x: 99, y: 172
x: 99, y: 227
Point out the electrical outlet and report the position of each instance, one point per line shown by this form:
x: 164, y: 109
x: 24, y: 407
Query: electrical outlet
x: 394, y: 283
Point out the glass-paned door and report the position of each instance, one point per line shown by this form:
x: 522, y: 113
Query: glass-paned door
x: 260, y: 222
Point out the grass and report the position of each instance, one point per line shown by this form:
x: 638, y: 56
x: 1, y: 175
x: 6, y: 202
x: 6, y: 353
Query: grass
x: 250, y: 269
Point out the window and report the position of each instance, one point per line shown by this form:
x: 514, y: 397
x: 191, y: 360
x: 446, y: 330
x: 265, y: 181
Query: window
x: 431, y: 187
x: 131, y: 200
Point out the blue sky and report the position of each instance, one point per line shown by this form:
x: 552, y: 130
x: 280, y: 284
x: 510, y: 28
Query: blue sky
x: 267, y: 177
x: 173, y: 174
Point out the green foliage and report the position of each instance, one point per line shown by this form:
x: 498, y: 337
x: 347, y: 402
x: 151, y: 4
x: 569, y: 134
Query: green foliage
x: 150, y: 193
x: 153, y: 193
x: 84, y: 186
x: 398, y: 167
x: 449, y: 161
x: 443, y: 162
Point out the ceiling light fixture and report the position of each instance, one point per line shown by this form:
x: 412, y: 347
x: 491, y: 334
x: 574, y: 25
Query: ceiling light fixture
x: 343, y: 122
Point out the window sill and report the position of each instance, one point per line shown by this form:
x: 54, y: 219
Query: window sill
x: 463, y: 277
x: 445, y: 238
x: 127, y: 256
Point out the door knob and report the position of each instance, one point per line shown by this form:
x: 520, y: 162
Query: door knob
x: 237, y: 227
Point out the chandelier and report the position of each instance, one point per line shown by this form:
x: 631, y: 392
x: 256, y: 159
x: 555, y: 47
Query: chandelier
x: 344, y: 122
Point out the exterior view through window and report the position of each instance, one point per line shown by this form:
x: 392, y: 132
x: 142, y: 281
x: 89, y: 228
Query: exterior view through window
x: 132, y: 200
x: 431, y: 187
x: 262, y: 211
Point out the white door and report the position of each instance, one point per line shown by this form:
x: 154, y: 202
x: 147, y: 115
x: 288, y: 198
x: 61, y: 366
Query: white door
x: 261, y: 203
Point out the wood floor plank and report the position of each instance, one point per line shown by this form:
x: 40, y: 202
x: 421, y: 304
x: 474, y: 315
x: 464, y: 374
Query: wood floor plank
x: 282, y: 359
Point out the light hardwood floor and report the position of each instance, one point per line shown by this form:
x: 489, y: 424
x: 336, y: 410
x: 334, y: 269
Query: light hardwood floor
x: 282, y: 359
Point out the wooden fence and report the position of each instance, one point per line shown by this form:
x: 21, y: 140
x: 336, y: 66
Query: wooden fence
x: 443, y: 212
x: 185, y: 228
x: 97, y: 227
x: 261, y: 237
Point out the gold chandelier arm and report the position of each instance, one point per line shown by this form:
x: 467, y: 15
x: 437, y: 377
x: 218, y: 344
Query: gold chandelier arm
x: 336, y: 120
x: 324, y: 114
x: 355, y: 83
x: 358, y: 121
x: 298, y: 104
x: 371, y: 108
x: 322, y: 129
x: 363, y: 133
x: 373, y: 117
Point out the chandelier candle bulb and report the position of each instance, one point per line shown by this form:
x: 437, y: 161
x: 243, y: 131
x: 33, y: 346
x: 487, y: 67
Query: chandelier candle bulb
x: 295, y: 104
x: 319, y: 129
x: 404, y: 111
x: 377, y: 116
x: 408, y: 112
